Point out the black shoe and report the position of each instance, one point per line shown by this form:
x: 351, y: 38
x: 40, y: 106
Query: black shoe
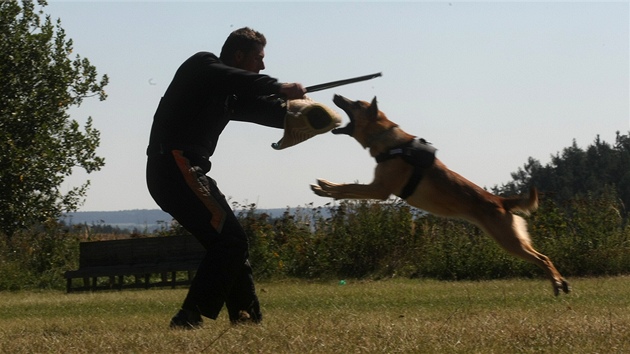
x: 252, y: 315
x: 245, y: 317
x: 186, y: 320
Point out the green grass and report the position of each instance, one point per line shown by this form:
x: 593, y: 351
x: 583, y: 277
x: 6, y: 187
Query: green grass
x: 392, y: 316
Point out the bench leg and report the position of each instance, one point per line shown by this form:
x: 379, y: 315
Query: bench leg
x: 164, y: 277
x: 68, y: 285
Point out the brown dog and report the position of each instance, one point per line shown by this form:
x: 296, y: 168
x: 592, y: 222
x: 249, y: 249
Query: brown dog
x: 429, y: 185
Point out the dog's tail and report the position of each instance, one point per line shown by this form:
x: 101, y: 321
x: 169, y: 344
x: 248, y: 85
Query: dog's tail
x: 524, y: 204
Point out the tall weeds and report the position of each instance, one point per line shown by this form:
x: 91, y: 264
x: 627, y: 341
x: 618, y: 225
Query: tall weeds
x: 587, y: 236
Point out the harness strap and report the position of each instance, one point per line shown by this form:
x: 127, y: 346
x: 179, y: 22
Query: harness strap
x: 418, y: 153
x: 392, y: 153
x: 412, y: 183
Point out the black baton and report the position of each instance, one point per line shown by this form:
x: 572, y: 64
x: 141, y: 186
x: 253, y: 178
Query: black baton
x: 341, y: 82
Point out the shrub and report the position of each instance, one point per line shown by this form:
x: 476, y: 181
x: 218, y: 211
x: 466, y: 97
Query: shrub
x: 588, y: 236
x: 38, y: 257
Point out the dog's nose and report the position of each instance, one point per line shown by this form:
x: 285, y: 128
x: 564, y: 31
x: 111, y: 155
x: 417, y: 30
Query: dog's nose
x: 339, y: 100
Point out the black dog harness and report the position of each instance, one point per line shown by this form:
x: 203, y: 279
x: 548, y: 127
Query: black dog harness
x: 419, y: 153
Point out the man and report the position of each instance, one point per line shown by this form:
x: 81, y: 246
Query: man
x: 205, y: 94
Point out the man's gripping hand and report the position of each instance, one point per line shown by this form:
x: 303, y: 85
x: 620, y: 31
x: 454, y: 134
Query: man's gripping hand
x: 292, y: 91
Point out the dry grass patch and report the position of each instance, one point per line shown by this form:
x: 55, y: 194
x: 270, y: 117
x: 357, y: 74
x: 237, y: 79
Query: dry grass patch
x: 395, y: 316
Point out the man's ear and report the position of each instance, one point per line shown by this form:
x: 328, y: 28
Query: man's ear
x: 373, y: 109
x: 239, y: 55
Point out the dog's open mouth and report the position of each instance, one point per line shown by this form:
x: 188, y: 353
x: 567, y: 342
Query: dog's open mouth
x: 344, y: 104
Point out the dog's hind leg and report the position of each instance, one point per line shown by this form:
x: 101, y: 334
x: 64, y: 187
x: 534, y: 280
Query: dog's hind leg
x: 510, y: 231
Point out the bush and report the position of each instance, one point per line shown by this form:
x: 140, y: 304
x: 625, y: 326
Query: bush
x: 586, y: 236
x: 38, y: 257
x: 356, y: 239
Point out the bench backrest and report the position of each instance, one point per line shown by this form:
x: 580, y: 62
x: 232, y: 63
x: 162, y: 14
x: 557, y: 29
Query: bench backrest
x: 150, y: 250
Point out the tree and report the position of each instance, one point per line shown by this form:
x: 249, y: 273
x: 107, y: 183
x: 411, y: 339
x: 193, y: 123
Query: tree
x: 39, y: 143
x: 579, y: 173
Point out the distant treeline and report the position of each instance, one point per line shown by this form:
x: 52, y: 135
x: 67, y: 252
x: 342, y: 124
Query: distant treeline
x: 137, y: 221
x: 118, y: 222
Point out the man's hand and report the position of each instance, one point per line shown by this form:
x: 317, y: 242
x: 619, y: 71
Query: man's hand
x: 292, y: 91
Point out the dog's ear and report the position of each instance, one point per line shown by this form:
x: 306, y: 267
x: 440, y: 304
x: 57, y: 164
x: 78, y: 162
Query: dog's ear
x: 373, y: 109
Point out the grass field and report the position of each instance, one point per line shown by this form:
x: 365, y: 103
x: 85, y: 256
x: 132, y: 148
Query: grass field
x: 392, y: 316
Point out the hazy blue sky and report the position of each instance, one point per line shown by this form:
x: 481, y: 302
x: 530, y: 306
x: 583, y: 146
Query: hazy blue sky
x: 488, y: 83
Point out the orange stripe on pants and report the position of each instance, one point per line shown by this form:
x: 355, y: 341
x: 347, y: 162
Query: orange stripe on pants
x: 201, y: 191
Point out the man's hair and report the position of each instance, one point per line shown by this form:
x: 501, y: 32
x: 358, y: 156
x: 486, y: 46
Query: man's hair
x: 244, y: 39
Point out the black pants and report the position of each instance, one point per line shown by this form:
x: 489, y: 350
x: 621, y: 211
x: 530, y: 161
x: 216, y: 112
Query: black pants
x: 178, y: 183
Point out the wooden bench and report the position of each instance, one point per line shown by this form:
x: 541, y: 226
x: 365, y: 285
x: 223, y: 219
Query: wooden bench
x: 145, y: 259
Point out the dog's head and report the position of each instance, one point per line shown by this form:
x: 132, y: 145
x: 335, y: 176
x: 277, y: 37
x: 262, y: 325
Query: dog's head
x: 366, y: 120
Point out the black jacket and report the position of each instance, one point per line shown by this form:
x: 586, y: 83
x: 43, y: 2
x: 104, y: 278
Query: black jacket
x: 205, y: 95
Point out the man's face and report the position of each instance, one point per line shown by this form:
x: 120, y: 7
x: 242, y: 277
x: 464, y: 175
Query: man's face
x: 251, y: 61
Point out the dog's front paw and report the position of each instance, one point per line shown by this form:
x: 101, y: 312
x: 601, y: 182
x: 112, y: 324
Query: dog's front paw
x: 322, y: 188
x: 325, y: 185
x: 319, y: 191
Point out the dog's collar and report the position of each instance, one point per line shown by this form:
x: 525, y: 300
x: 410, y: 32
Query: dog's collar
x: 399, y: 150
x: 416, y: 152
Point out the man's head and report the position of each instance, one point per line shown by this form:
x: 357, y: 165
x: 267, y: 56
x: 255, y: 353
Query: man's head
x: 244, y: 49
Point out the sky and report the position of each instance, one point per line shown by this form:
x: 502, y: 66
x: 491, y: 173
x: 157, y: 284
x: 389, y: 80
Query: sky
x: 489, y: 84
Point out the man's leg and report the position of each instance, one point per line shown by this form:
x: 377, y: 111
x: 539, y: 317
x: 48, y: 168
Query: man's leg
x: 195, y: 201
x: 222, y: 267
x: 214, y: 281
x: 242, y: 303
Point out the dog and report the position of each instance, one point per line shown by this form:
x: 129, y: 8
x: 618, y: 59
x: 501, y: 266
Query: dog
x: 407, y: 168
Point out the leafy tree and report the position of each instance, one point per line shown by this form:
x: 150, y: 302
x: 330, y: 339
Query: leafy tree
x: 39, y: 143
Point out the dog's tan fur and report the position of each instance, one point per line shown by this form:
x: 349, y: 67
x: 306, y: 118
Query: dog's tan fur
x: 440, y: 192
